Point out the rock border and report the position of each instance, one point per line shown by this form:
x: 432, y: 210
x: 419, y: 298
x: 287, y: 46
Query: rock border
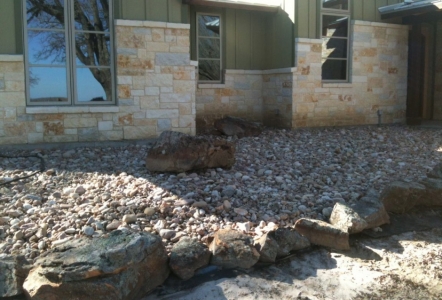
x: 233, y: 249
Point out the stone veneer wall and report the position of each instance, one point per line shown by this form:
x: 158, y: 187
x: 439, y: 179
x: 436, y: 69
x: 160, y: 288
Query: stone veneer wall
x: 14, y: 126
x: 378, y: 79
x: 277, y: 97
x: 239, y: 96
x: 156, y: 92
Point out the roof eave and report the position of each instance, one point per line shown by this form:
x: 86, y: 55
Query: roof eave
x: 403, y: 10
x: 234, y: 4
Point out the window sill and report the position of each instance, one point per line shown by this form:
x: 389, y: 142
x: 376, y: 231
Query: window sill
x: 71, y: 109
x: 337, y: 85
x: 211, y: 85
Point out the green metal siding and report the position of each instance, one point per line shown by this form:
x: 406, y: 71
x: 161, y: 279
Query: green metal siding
x: 172, y: 11
x: 281, y: 37
x: 367, y: 10
x: 250, y: 38
x: 308, y: 20
x: 10, y: 29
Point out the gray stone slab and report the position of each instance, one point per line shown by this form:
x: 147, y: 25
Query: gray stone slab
x: 172, y: 59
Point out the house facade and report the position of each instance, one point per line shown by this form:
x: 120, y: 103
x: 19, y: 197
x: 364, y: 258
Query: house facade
x: 104, y: 70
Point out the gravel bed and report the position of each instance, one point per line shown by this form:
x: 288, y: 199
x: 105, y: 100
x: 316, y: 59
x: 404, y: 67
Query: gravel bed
x: 278, y: 178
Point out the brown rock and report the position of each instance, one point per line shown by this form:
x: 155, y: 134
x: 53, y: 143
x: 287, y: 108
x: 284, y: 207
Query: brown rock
x: 187, y: 256
x: 280, y: 243
x: 323, y: 234
x: 178, y: 152
x: 122, y: 265
x: 235, y: 126
x: 400, y: 197
x: 432, y: 196
x: 233, y: 249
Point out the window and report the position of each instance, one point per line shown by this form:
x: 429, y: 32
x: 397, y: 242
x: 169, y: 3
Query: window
x: 69, y: 57
x: 209, y: 47
x: 335, y: 25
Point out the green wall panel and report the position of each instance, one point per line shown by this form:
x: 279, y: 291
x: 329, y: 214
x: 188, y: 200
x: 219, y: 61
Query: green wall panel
x: 252, y: 40
x: 243, y: 40
x: 307, y: 14
x: 153, y: 10
x: 10, y: 37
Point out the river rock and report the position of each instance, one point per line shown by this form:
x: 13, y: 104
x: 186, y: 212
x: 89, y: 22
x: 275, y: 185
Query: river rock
x: 235, y: 126
x: 232, y: 249
x: 13, y: 271
x: 122, y: 265
x: 179, y: 152
x: 400, y: 196
x: 323, y: 234
x: 187, y: 256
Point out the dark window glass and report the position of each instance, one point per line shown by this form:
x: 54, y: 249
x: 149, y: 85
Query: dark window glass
x: 208, y: 26
x: 334, y: 48
x: 336, y: 4
x: 209, y: 70
x: 336, y: 26
x: 333, y: 69
x: 209, y: 48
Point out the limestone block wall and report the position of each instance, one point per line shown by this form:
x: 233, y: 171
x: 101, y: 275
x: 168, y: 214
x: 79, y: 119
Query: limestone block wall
x: 14, y: 126
x: 239, y: 96
x: 378, y: 79
x: 156, y: 92
x: 277, y: 97
x: 156, y: 79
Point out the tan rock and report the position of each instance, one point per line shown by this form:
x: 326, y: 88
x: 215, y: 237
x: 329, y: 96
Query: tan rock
x: 323, y: 234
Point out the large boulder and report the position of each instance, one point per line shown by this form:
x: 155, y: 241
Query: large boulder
x: 13, y: 272
x: 179, y: 152
x: 436, y: 172
x: 345, y: 218
x: 187, y: 256
x: 371, y: 209
x: 432, y: 196
x: 235, y: 126
x: 323, y: 234
x: 280, y: 243
x: 400, y: 196
x: 232, y: 249
x: 122, y: 265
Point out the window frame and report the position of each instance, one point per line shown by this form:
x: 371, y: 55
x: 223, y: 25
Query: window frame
x: 337, y: 13
x: 71, y: 66
x: 221, y: 33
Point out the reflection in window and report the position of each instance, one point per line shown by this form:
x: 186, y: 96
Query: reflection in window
x: 48, y: 85
x: 209, y: 47
x: 335, y: 33
x: 83, y: 50
x: 88, y: 87
x: 335, y: 4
